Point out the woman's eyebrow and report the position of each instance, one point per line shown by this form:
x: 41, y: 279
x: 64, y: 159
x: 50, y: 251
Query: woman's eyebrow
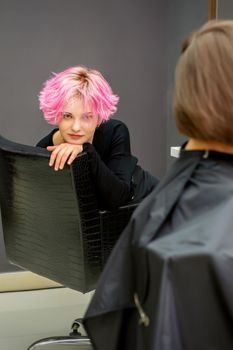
x: 87, y: 113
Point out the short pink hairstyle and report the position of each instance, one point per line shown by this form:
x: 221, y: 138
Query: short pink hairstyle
x: 87, y: 84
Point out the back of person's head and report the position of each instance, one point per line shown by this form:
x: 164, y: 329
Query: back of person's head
x: 77, y: 82
x: 203, y: 94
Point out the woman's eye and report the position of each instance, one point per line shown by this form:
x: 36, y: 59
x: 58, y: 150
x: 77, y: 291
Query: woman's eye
x: 67, y: 116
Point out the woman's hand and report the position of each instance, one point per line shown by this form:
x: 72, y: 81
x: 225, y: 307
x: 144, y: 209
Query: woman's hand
x: 62, y: 154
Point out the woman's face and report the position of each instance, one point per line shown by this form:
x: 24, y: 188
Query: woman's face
x: 78, y: 123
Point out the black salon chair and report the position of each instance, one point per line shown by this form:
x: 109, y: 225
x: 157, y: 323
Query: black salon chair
x: 51, y: 222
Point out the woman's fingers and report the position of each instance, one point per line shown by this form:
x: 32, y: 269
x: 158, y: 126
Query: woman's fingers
x: 56, y: 156
x: 76, y: 150
x: 61, y: 158
x: 51, y: 148
x: 53, y: 156
x: 72, y: 157
x: 62, y: 154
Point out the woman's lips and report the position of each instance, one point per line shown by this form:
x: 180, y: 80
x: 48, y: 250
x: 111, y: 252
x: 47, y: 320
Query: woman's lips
x: 73, y: 136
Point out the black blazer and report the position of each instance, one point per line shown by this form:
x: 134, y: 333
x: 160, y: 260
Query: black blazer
x: 116, y: 176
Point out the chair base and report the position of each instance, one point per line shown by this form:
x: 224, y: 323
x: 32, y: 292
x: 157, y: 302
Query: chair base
x: 62, y: 343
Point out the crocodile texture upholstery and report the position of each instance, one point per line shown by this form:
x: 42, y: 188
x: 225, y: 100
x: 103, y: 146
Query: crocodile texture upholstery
x: 51, y: 222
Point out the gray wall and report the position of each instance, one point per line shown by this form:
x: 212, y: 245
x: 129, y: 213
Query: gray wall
x: 125, y: 40
x: 184, y: 17
x: 134, y: 43
x: 224, y: 9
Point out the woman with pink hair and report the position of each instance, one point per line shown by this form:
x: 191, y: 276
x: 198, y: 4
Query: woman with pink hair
x: 80, y: 102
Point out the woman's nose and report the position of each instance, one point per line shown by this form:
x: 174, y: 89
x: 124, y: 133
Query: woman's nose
x: 76, y: 125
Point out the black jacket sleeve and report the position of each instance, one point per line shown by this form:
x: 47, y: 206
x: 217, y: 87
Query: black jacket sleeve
x: 47, y: 140
x: 113, y: 173
x: 112, y: 177
x: 111, y: 163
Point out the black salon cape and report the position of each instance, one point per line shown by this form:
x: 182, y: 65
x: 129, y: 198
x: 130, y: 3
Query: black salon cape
x: 176, y: 257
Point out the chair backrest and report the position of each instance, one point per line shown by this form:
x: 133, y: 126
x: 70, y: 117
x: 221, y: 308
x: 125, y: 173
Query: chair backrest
x: 51, y: 222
